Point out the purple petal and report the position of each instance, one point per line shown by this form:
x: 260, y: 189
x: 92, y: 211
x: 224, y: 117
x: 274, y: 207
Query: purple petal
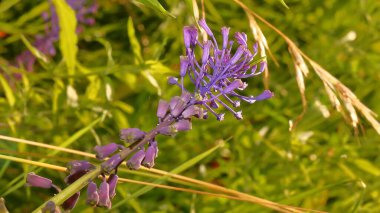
x: 204, y: 25
x: 112, y: 181
x: 150, y: 155
x: 225, y: 32
x: 183, y: 125
x: 162, y: 108
x: 104, y: 197
x: 92, y: 194
x: 131, y: 135
x: 71, y: 202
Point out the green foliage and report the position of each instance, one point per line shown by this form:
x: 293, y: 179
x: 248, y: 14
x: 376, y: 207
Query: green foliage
x: 112, y: 75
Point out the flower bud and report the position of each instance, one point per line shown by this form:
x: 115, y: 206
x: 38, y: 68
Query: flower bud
x: 162, y: 108
x: 71, y: 202
x: 112, y: 181
x: 264, y: 95
x: 225, y: 32
x: 190, y: 36
x: 37, y: 181
x: 134, y: 162
x: 150, y: 155
x: 241, y: 38
x: 104, y: 197
x: 106, y: 150
x: 50, y: 207
x: 204, y: 25
x: 183, y: 125
x: 92, y: 194
x: 111, y: 164
x: 131, y: 135
x: 184, y: 63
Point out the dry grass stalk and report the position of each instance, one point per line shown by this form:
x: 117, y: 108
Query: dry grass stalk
x: 334, y: 88
x: 227, y: 192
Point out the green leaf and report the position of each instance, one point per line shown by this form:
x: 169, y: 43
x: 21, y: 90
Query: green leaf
x: 154, y: 4
x: 67, y: 35
x: 8, y: 91
x: 136, y: 48
x: 284, y: 4
x: 33, y: 13
x: 34, y: 50
x: 367, y: 166
x: 152, y: 81
x: 177, y: 170
x: 5, y: 5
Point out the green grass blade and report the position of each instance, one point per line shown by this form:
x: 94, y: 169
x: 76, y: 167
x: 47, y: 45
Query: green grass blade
x: 8, y: 91
x: 6, y: 5
x: 177, y: 170
x: 67, y: 34
x: 34, y: 50
x: 136, y: 48
x: 154, y: 4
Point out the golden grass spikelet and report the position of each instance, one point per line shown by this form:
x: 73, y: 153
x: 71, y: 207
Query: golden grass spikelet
x: 334, y: 88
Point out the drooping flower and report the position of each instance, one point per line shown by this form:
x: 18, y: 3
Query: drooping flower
x: 71, y: 202
x: 150, y: 154
x: 112, y: 181
x: 92, y: 194
x: 131, y: 135
x: 104, y: 197
x: 106, y: 150
x: 37, y: 181
x: 135, y: 161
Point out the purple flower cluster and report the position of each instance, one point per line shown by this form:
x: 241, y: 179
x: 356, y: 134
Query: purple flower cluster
x: 218, y: 76
x: 45, y: 43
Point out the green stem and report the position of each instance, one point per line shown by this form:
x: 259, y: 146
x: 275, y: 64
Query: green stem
x: 71, y: 189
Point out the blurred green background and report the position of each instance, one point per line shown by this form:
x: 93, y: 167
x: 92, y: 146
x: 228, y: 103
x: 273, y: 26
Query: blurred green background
x: 322, y: 164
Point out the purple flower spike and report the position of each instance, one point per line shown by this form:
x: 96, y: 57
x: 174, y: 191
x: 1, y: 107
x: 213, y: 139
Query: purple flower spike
x: 131, y: 135
x: 241, y: 38
x: 204, y: 25
x: 184, y: 61
x: 162, y: 108
x: 92, y: 194
x: 112, y: 181
x: 104, y: 197
x: 264, y: 95
x: 106, y: 150
x: 183, y: 125
x: 37, y: 181
x: 150, y: 155
x: 134, y: 162
x: 190, y: 36
x: 225, y: 32
x: 71, y: 202
x: 50, y: 207
x: 111, y: 163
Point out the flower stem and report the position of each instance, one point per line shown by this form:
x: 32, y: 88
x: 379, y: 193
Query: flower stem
x: 72, y: 189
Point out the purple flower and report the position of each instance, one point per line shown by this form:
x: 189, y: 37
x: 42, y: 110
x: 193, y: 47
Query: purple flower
x: 183, y: 125
x: 150, y: 154
x: 134, y: 162
x: 112, y: 181
x: 162, y: 108
x: 92, y: 194
x: 218, y: 76
x: 190, y: 36
x: 131, y: 135
x: 71, y: 202
x: 106, y: 150
x: 50, y: 207
x: 37, y: 181
x: 104, y: 197
x: 111, y: 164
x: 77, y: 169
